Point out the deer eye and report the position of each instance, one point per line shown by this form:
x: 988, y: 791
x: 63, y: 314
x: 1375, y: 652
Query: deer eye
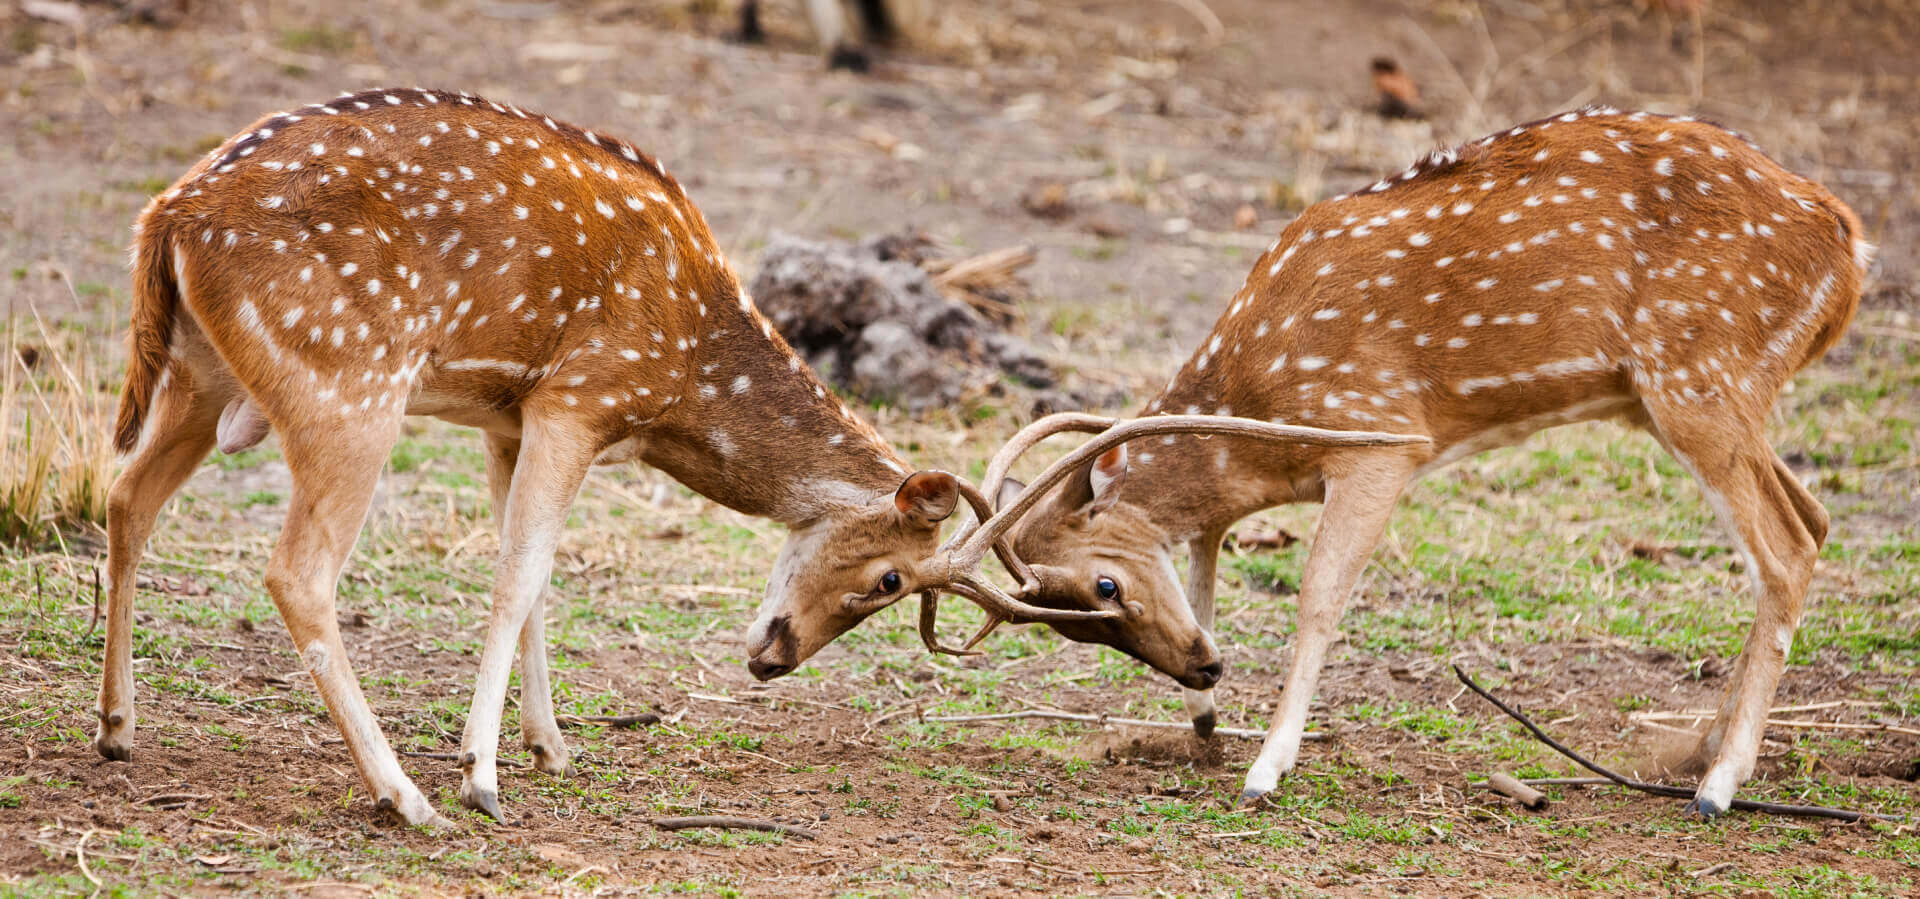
x: 889, y: 583
x: 1107, y: 587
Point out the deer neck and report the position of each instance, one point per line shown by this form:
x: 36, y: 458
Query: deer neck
x: 755, y: 430
x: 1193, y: 484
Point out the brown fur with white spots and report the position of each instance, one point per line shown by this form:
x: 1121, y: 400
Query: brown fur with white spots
x: 334, y: 269
x: 1599, y: 264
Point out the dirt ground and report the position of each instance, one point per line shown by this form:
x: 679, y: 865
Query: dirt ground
x: 1581, y: 574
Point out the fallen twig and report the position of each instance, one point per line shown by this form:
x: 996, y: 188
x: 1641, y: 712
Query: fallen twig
x: 1104, y: 872
x: 173, y: 798
x: 727, y: 823
x: 1054, y: 715
x: 1808, y: 811
x: 1527, y: 796
x: 640, y: 720
x: 454, y: 757
x: 1564, y: 781
x: 1793, y: 723
x: 1710, y: 870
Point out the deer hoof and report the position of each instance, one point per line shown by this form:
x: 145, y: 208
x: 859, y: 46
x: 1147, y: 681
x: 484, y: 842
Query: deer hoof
x: 852, y: 59
x: 1249, y: 798
x: 482, y: 800
x: 550, y: 761
x: 114, y: 747
x: 1203, y: 725
x: 1705, y: 807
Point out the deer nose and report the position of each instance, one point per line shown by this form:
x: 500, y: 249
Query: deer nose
x: 762, y: 669
x: 774, y: 655
x: 1206, y: 665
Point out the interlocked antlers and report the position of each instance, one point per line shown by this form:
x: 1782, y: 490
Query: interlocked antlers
x: 963, y: 552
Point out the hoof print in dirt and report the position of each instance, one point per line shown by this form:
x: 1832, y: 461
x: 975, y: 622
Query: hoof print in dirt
x: 874, y: 320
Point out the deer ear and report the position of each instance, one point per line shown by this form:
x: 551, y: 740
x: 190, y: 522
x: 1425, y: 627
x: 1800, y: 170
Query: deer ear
x: 927, y: 496
x: 1104, y: 478
x: 1010, y: 490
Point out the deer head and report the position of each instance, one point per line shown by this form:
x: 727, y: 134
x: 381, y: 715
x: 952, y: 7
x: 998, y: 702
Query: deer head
x: 851, y: 562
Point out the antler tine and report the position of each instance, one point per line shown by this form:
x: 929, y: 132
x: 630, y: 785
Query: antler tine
x: 990, y: 531
x: 929, y: 609
x: 997, y: 602
x: 1000, y: 609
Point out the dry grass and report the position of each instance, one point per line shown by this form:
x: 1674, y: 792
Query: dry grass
x: 54, y: 475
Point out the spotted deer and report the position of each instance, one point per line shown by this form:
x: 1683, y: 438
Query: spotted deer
x: 335, y: 268
x: 1598, y: 264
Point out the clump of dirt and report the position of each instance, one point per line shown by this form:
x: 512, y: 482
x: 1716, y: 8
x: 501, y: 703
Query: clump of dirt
x: 871, y: 319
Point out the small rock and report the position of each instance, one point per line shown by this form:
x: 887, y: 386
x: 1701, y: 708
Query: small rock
x: 1047, y: 201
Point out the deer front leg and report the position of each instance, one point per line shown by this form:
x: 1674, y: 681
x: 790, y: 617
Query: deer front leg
x: 1203, y: 553
x: 1356, y: 512
x: 553, y: 462
x: 538, y: 729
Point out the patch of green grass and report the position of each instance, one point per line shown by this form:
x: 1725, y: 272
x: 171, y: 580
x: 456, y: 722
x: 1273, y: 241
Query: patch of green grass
x: 319, y: 38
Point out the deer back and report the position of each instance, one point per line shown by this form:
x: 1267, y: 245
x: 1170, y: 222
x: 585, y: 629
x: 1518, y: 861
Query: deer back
x: 433, y: 251
x: 1564, y: 269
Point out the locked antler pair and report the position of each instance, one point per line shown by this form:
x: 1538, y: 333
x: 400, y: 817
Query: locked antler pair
x: 963, y: 552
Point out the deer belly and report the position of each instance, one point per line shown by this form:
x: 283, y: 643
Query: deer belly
x: 1507, y: 433
x: 480, y: 393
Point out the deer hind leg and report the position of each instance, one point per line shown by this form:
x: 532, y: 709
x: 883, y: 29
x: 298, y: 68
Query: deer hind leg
x: 538, y: 729
x: 1355, y: 515
x: 1779, y: 529
x: 1203, y: 553
x: 334, y: 472
x: 547, y: 475
x: 180, y: 432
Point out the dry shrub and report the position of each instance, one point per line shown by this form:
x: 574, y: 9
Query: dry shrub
x: 57, y: 460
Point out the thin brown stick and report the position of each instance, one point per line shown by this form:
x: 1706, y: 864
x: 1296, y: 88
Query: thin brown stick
x: 1565, y: 781
x: 729, y: 823
x: 454, y: 757
x: 640, y: 720
x: 1773, y: 808
x: 1056, y: 715
x: 1791, y: 723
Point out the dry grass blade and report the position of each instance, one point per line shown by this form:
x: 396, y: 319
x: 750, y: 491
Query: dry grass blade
x: 983, y: 281
x: 56, y: 475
